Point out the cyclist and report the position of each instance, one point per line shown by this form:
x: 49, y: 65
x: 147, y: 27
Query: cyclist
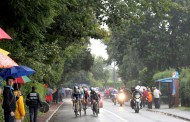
x: 86, y: 96
x: 94, y: 96
x: 76, y: 96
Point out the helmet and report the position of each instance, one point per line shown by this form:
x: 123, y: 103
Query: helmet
x: 75, y: 88
x: 85, y: 89
x: 97, y: 91
x: 137, y: 87
x: 91, y: 89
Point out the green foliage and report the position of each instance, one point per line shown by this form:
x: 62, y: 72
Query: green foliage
x: 164, y: 74
x: 115, y: 85
x: 43, y: 33
x: 100, y: 70
x: 96, y: 83
x: 184, y: 87
x: 132, y: 83
x: 150, y: 42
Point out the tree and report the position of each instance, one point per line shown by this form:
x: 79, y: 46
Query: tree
x: 150, y: 45
x: 100, y: 70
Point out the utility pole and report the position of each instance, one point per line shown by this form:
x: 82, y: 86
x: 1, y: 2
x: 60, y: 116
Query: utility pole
x: 114, y: 74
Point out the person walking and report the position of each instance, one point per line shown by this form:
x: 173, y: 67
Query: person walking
x: 33, y: 101
x: 20, y: 110
x: 9, y: 100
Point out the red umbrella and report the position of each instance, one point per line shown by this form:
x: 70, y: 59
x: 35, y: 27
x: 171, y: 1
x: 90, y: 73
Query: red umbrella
x: 6, y: 61
x: 22, y: 80
x: 4, y: 35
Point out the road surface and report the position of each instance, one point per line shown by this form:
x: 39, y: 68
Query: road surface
x: 110, y: 113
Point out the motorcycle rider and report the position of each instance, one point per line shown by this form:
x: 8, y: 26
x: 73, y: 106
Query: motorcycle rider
x: 134, y: 91
x: 114, y: 94
x: 76, y: 96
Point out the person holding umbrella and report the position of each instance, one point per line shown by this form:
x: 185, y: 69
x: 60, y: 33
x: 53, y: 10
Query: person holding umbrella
x: 9, y: 100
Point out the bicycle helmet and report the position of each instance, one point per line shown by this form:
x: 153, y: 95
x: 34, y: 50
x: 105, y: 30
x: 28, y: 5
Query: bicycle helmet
x: 75, y: 88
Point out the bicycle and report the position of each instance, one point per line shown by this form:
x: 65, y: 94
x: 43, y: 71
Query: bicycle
x: 77, y: 107
x: 85, y: 103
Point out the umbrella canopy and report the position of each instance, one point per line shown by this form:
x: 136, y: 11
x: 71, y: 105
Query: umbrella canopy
x: 16, y: 71
x: 23, y: 79
x: 50, y: 91
x: 4, y: 52
x: 6, y: 61
x: 4, y: 35
x: 68, y: 89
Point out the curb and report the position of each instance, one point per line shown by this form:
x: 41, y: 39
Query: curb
x: 54, y: 112
x: 168, y: 114
x: 173, y: 115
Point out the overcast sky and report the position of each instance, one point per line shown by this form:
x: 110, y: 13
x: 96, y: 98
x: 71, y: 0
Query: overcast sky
x: 98, y: 48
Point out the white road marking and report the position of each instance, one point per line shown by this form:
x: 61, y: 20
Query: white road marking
x: 53, y: 113
x: 115, y: 115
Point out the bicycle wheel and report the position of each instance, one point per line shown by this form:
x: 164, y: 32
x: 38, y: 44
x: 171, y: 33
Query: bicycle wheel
x: 76, y: 111
x: 85, y: 109
x: 80, y: 107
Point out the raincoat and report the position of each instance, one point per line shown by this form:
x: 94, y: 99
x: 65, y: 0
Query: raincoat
x: 20, y: 110
x: 149, y: 97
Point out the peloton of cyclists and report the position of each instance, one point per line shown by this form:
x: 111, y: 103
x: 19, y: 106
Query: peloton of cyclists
x: 81, y: 94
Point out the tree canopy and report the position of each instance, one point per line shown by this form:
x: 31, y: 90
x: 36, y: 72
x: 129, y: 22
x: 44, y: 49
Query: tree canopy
x: 49, y: 35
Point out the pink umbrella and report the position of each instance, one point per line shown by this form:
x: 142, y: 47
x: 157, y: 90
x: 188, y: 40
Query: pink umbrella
x: 6, y: 61
x: 4, y: 35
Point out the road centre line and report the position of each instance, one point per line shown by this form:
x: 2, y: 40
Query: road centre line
x: 115, y: 115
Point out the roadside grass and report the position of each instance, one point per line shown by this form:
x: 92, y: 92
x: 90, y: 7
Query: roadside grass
x: 184, y: 108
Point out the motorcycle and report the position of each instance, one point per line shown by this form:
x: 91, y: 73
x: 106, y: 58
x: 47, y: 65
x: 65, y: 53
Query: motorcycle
x: 137, y: 101
x: 114, y: 98
x: 121, y: 98
x: 95, y: 107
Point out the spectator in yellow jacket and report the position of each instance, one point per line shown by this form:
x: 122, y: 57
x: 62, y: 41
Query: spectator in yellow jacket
x: 20, y: 110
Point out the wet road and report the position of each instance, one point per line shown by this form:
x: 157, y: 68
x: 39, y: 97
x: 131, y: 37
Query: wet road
x: 110, y: 113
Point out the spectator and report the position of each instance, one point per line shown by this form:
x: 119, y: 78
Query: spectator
x: 55, y: 96
x: 20, y: 110
x: 144, y: 98
x: 60, y: 94
x: 9, y: 100
x: 49, y: 96
x: 149, y: 99
x: 33, y: 101
x: 156, y: 94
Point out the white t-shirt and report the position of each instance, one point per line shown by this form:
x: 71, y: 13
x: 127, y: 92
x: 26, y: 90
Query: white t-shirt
x: 156, y: 93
